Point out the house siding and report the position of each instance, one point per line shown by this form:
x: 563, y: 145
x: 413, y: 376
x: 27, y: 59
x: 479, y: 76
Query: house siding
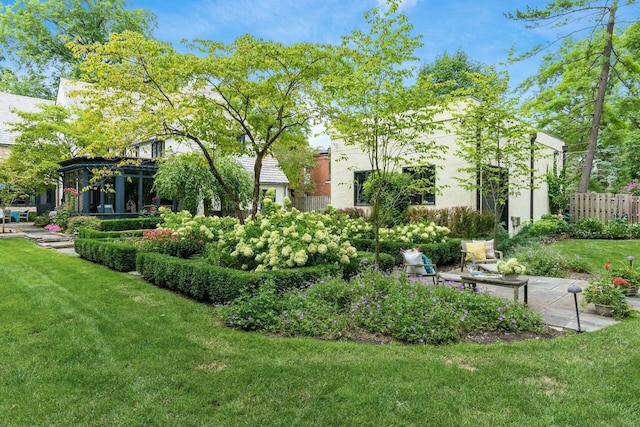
x: 451, y: 194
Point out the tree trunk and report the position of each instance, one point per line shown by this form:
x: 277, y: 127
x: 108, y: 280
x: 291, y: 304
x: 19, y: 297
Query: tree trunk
x: 257, y: 170
x: 599, y: 103
x: 212, y: 167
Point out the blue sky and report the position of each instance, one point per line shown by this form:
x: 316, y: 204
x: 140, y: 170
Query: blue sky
x: 477, y: 27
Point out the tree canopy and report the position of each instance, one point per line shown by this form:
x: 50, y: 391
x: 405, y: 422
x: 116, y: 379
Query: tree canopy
x: 34, y: 34
x: 241, y: 98
x: 576, y: 80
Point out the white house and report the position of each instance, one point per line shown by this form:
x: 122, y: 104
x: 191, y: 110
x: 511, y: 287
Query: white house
x: 350, y: 167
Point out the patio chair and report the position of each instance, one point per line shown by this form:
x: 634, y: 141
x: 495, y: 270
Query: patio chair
x: 6, y: 213
x: 24, y: 216
x: 476, y: 252
x: 417, y: 263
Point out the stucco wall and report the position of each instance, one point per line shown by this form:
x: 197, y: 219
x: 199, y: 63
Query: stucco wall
x: 347, y: 160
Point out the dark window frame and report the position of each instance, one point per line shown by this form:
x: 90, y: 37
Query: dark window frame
x: 426, y: 172
x: 359, y: 178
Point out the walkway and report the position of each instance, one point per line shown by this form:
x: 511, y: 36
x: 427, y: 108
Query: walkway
x: 548, y: 296
x: 60, y: 242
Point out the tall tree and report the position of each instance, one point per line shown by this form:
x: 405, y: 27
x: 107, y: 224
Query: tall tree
x: 451, y: 73
x: 45, y: 138
x: 242, y: 98
x: 603, y: 15
x: 496, y: 146
x: 375, y: 109
x: 34, y: 33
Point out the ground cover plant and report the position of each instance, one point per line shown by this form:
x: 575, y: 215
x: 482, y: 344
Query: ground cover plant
x: 83, y: 345
x: 381, y: 304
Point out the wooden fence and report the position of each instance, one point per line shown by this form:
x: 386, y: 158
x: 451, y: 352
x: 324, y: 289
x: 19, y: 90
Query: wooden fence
x: 311, y: 203
x: 605, y: 207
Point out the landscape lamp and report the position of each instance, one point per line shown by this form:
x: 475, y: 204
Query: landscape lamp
x: 575, y: 290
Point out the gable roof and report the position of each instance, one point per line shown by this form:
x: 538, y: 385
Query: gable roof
x: 10, y: 101
x: 270, y: 173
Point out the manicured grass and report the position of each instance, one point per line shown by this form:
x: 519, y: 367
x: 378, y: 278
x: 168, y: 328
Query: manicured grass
x: 597, y: 252
x: 83, y: 345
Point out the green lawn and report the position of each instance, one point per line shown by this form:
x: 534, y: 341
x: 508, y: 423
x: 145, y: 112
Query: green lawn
x: 83, y: 345
x: 597, y: 252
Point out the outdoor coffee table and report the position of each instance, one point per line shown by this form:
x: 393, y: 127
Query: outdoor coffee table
x: 495, y: 280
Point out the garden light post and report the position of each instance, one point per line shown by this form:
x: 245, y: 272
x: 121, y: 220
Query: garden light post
x: 631, y: 259
x: 575, y: 290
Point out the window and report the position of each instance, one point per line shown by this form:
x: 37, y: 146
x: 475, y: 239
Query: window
x: 157, y: 149
x: 359, y: 179
x: 424, y: 179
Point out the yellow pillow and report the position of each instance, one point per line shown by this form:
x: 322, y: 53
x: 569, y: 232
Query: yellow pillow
x: 479, y: 251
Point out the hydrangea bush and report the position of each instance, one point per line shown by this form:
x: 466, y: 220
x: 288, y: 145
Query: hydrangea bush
x: 417, y: 232
x: 281, y: 238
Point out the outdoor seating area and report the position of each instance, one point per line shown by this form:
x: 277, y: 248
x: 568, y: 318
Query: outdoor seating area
x: 478, y: 252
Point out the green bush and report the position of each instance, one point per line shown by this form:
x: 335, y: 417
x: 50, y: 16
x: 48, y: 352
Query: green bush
x: 169, y: 242
x: 593, y: 228
x: 77, y: 222
x: 546, y: 226
x: 462, y: 221
x: 586, y: 228
x: 116, y: 255
x: 447, y: 253
x: 141, y: 223
x: 215, y: 284
x: 391, y: 306
x: 548, y: 262
x: 42, y: 220
x: 366, y: 260
x: 88, y: 233
x: 31, y: 216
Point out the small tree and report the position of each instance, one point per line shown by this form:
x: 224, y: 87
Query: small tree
x: 375, y: 109
x: 495, y: 145
x: 187, y: 177
x: 12, y: 187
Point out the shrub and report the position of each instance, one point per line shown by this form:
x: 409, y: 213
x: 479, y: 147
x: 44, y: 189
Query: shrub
x: 547, y: 225
x: 169, y: 242
x: 31, y: 216
x: 140, y: 223
x: 548, y: 262
x: 118, y: 256
x: 42, y: 220
x: 280, y: 238
x: 378, y: 304
x: 446, y: 253
x: 87, y: 233
x: 367, y: 260
x: 76, y: 222
x: 462, y: 221
x: 214, y: 284
x: 586, y: 228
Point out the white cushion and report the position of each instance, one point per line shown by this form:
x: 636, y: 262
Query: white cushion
x: 413, y: 262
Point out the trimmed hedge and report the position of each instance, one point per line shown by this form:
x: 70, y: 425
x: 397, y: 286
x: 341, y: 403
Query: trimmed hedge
x: 214, y: 284
x: 141, y: 223
x: 446, y: 253
x: 88, y: 233
x: 387, y: 262
x: 115, y: 255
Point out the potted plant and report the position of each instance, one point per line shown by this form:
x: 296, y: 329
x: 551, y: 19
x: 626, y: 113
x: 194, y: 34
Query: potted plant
x: 607, y: 298
x: 510, y: 269
x: 627, y: 279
